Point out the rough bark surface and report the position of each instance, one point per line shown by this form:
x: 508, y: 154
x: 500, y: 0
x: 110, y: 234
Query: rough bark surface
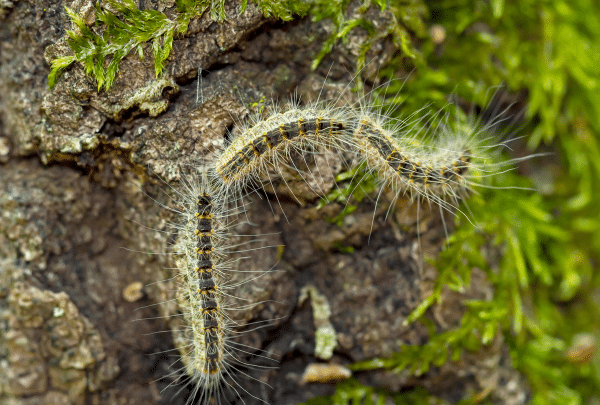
x: 82, y: 171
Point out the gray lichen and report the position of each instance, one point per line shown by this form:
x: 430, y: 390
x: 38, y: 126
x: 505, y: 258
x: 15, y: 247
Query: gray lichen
x: 325, y: 336
x: 48, y: 345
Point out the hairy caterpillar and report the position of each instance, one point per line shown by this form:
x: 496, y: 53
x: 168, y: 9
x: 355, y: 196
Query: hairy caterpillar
x: 426, y: 172
x: 206, y: 329
x: 202, y: 293
x: 269, y: 143
x: 439, y: 158
x: 440, y: 169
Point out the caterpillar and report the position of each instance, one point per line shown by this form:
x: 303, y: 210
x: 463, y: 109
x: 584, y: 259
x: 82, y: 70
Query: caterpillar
x: 441, y: 171
x: 205, y: 301
x: 429, y: 172
x: 269, y: 143
x: 206, y: 330
x: 439, y: 158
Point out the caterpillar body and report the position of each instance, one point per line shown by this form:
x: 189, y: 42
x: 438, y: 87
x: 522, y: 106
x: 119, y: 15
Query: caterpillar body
x: 269, y: 142
x: 207, y: 321
x: 439, y: 171
x: 199, y: 248
x: 205, y: 332
x: 426, y: 172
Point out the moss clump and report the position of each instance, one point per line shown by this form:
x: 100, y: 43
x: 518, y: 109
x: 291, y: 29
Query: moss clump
x: 121, y: 36
x: 116, y: 36
x: 102, y: 49
x: 282, y: 9
x: 405, y: 19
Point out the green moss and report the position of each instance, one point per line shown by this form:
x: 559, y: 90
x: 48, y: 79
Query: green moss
x: 403, y: 19
x: 545, y: 282
x: 121, y: 36
x: 353, y: 392
x: 101, y: 50
x: 282, y: 9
